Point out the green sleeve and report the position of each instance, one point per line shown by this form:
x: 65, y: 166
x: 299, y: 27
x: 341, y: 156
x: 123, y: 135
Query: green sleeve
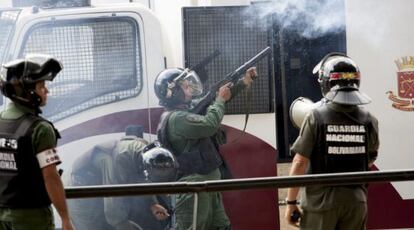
x: 194, y: 126
x: 43, y: 137
x: 128, y: 165
x: 306, y: 140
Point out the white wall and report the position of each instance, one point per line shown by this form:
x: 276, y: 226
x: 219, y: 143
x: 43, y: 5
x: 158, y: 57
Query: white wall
x: 378, y: 33
x: 169, y: 13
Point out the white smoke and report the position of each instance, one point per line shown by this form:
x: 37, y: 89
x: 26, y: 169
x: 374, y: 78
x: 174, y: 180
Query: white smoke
x: 310, y: 18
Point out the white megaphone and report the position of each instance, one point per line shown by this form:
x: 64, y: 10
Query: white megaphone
x: 299, y: 108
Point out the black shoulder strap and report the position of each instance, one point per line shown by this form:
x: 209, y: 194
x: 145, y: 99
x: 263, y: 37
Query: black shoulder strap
x: 162, y: 130
x: 27, y: 124
x: 360, y: 116
x: 365, y: 115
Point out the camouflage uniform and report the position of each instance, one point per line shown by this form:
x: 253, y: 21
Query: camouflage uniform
x: 112, y: 162
x: 185, y: 128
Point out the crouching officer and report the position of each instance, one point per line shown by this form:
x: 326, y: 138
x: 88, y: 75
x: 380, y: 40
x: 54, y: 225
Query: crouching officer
x: 116, y: 162
x: 29, y: 180
x: 192, y: 139
x: 337, y: 136
x: 159, y: 164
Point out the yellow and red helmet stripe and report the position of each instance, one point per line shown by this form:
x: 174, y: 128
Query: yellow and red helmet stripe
x: 344, y: 76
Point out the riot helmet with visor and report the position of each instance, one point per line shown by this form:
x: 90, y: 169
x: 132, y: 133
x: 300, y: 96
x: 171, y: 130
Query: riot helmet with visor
x: 339, y: 78
x: 176, y: 86
x: 19, y: 77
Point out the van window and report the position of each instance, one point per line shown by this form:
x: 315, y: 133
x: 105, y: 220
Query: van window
x: 101, y: 62
x: 7, y: 23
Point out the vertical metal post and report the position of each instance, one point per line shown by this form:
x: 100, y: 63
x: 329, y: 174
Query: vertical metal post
x: 195, y: 211
x: 173, y: 223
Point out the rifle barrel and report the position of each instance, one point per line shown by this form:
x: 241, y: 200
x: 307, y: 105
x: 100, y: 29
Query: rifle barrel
x: 251, y: 62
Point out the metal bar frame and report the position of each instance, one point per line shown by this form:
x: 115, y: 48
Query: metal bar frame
x: 195, y: 211
x: 239, y: 184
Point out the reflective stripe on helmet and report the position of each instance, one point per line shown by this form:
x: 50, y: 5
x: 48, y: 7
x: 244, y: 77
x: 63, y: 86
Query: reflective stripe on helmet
x: 344, y: 76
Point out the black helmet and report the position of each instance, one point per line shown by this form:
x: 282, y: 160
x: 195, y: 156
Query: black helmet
x: 160, y: 164
x: 339, y: 79
x: 19, y: 77
x: 168, y: 86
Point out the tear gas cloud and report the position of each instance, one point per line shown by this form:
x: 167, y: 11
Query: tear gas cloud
x: 311, y: 19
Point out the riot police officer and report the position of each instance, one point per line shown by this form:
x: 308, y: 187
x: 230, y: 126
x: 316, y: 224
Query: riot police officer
x: 193, y: 139
x: 338, y: 136
x: 117, y: 162
x: 29, y: 179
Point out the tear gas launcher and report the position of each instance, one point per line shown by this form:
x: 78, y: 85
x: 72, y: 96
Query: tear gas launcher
x: 233, y: 77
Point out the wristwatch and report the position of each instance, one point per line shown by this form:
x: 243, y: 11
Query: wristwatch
x: 291, y: 202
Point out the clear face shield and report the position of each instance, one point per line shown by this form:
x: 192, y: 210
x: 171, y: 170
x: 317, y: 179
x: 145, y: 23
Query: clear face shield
x: 190, y: 82
x: 34, y: 68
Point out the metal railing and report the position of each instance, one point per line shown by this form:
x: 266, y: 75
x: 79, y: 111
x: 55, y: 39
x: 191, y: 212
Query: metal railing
x: 239, y: 184
x: 236, y: 184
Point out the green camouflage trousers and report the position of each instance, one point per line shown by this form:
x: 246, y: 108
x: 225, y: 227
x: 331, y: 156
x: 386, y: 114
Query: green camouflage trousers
x: 25, y: 219
x: 210, y: 213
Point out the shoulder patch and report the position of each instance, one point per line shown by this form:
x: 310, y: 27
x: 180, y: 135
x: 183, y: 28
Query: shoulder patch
x: 194, y: 118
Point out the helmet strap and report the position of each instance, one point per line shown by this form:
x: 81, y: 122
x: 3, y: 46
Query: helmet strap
x: 28, y: 98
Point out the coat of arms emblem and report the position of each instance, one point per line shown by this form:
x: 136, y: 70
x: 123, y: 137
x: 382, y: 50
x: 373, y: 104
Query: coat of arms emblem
x: 404, y: 100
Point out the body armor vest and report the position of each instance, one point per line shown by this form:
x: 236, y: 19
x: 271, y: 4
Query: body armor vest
x: 200, y: 156
x: 21, y: 178
x: 342, y: 141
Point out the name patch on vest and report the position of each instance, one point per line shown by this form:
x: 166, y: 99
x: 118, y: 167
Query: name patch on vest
x: 345, y: 139
x: 346, y: 128
x: 7, y: 161
x: 346, y: 150
x: 8, y: 143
